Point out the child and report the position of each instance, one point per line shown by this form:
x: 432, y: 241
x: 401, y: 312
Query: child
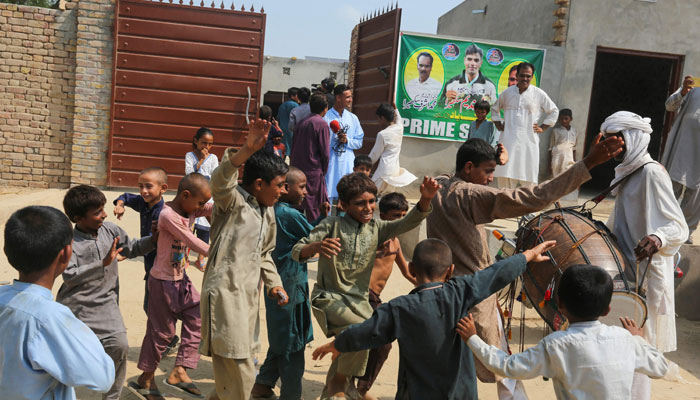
x: 201, y: 161
x: 482, y: 128
x: 588, y: 360
x: 153, y: 182
x: 173, y: 297
x: 362, y: 164
x: 433, y: 362
x: 44, y: 349
x: 289, y: 327
x: 243, y: 233
x: 386, y: 150
x: 91, y: 281
x: 392, y: 206
x: 348, y: 246
x: 562, y: 145
x: 274, y: 143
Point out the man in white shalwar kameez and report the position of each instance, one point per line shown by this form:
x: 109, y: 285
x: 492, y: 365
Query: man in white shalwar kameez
x: 682, y: 148
x: 386, y: 150
x: 647, y: 221
x: 522, y: 106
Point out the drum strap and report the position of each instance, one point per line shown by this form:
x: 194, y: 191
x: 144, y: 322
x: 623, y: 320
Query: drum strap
x: 602, y: 195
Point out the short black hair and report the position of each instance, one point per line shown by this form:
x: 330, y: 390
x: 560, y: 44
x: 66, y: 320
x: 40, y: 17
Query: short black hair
x: 483, y: 105
x: 318, y: 103
x: 387, y: 112
x: 353, y: 185
x: 192, y: 182
x: 265, y: 113
x: 473, y: 49
x: 304, y: 94
x: 339, y: 89
x: 393, y: 201
x: 292, y: 91
x: 362, y: 160
x: 585, y: 291
x: 432, y: 258
x: 566, y: 112
x: 425, y: 54
x: 203, y: 131
x: 34, y: 236
x: 525, y: 64
x: 81, y: 199
x: 263, y: 165
x: 513, y: 68
x: 475, y: 150
x: 160, y: 172
x: 328, y: 84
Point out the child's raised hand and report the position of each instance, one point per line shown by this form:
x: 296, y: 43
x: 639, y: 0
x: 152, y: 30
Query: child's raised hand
x: 113, y: 253
x: 429, y: 187
x: 466, y: 327
x: 536, y: 254
x: 631, y: 326
x: 329, y: 347
x: 328, y: 247
x: 119, y: 210
x: 257, y: 134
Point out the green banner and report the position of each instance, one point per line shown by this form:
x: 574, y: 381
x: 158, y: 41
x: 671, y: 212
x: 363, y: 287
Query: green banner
x: 438, y: 83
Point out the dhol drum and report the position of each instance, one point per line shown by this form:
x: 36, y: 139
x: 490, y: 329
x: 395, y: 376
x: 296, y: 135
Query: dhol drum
x: 580, y: 240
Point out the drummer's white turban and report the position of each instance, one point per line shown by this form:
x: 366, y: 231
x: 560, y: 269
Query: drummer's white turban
x: 636, y: 132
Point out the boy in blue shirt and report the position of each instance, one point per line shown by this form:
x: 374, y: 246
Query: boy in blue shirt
x: 49, y: 350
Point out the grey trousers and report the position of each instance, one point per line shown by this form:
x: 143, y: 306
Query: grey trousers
x: 116, y: 347
x: 690, y: 204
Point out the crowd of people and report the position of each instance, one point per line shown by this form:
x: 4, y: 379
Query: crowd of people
x: 258, y: 235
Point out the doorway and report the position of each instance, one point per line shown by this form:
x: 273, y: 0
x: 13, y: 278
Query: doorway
x: 627, y: 80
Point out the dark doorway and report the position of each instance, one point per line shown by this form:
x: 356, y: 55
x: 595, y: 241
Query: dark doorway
x: 639, y: 82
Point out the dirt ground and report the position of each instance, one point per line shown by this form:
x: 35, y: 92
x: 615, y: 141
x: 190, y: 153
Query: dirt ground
x: 131, y: 274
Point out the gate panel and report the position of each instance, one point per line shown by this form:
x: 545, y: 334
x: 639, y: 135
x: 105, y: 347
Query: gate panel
x: 177, y: 68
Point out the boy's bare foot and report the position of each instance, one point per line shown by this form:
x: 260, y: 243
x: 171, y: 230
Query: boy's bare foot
x: 180, y: 380
x: 147, y: 380
x: 178, y: 374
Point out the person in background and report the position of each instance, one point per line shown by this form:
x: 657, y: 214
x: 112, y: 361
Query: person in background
x: 283, y: 116
x: 562, y: 144
x: 385, y: 153
x: 299, y: 114
x: 481, y: 127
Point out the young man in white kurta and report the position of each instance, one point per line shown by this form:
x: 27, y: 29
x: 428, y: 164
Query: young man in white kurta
x: 385, y: 152
x: 647, y: 215
x: 523, y: 106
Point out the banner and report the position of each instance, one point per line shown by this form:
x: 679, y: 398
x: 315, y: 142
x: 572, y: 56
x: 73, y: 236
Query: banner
x: 440, y: 80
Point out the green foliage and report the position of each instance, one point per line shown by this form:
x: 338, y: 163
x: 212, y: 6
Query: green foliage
x: 35, y: 3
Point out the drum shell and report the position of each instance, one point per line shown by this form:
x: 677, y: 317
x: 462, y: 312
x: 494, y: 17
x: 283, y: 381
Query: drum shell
x: 597, y: 247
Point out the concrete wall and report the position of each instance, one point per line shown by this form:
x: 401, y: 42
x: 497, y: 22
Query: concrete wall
x: 302, y: 72
x: 55, y: 87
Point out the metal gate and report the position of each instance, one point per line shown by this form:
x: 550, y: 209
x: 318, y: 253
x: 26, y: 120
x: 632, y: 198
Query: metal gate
x: 176, y: 68
x: 374, y: 70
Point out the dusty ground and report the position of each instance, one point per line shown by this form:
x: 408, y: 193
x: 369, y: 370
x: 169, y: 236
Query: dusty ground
x: 131, y: 273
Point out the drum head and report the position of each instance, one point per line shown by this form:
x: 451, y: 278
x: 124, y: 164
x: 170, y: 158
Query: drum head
x: 625, y: 304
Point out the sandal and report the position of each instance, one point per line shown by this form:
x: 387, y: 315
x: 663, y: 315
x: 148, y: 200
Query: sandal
x: 143, y: 393
x: 185, y: 387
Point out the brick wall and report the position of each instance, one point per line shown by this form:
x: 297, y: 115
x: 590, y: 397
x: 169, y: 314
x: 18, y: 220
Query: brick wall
x: 55, y: 82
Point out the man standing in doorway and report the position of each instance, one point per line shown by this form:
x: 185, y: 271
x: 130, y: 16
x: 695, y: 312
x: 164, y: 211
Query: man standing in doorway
x: 283, y: 116
x: 471, y: 86
x: 343, y: 143
x: 681, y: 152
x: 522, y: 106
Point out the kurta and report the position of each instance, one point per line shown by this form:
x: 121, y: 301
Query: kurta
x: 521, y: 111
x: 297, y: 115
x: 207, y: 167
x: 386, y: 150
x: 645, y: 205
x: 243, y: 237
x: 289, y: 327
x: 342, y: 157
x: 310, y: 153
x: 562, y: 144
x: 460, y: 210
x: 434, y: 362
x: 283, y: 119
x: 486, y: 131
x: 683, y: 144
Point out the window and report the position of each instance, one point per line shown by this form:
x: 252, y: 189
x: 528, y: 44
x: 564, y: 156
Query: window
x: 286, y: 70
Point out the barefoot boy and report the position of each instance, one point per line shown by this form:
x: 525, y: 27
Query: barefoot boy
x: 243, y: 237
x: 289, y: 327
x: 392, y: 206
x: 433, y: 362
x: 173, y: 297
x: 44, y: 349
x: 348, y: 247
x: 588, y: 360
x: 91, y: 281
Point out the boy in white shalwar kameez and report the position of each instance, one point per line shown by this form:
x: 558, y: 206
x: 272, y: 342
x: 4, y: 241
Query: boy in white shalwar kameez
x: 386, y: 150
x: 647, y: 221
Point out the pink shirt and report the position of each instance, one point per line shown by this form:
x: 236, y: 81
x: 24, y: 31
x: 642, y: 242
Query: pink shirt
x: 175, y: 241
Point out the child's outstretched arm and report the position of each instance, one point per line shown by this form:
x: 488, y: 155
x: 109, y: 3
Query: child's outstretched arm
x: 649, y: 360
x: 390, y: 229
x: 321, y: 352
x: 125, y: 199
x: 403, y: 266
x: 529, y: 364
x: 317, y: 242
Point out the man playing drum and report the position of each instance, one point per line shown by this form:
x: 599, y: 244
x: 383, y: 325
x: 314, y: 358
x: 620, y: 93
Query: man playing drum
x: 648, y: 223
x: 464, y: 203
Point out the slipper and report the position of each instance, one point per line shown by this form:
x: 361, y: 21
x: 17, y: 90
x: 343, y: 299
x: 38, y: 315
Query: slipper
x: 185, y: 387
x: 143, y: 393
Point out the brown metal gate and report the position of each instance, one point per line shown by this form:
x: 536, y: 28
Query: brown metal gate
x: 179, y: 67
x: 374, y: 70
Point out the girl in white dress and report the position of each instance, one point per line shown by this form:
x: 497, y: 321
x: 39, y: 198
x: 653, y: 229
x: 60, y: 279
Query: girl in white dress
x: 386, y: 150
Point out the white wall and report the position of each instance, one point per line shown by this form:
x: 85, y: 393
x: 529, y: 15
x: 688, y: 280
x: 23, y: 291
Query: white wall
x: 302, y: 72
